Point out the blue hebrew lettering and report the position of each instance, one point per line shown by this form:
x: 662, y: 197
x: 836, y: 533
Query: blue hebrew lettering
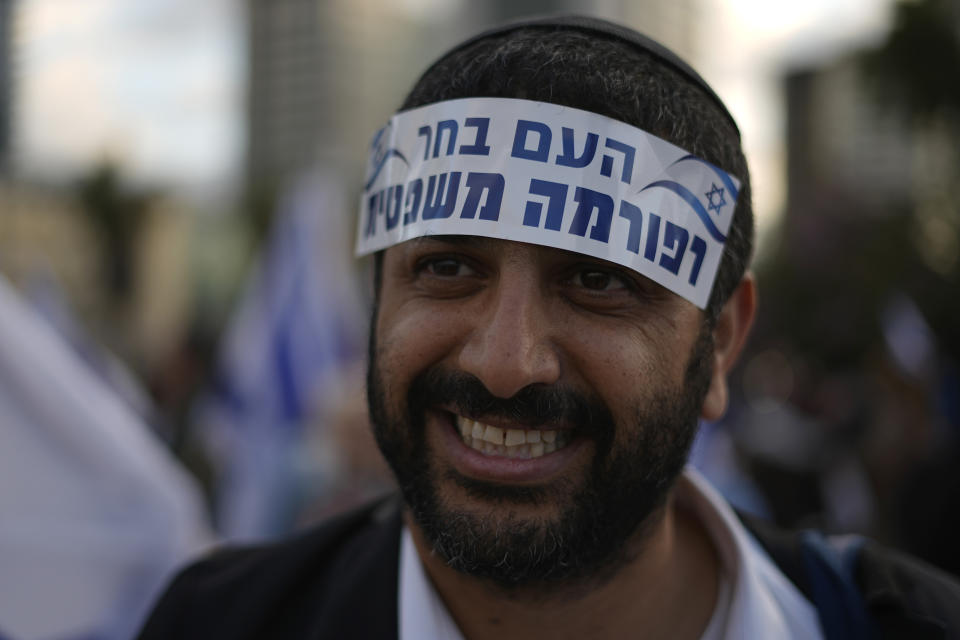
x: 542, y: 152
x: 373, y: 204
x: 606, y: 166
x: 589, y: 200
x: 675, y: 238
x: 653, y: 238
x: 479, y: 184
x: 699, y: 249
x: 394, y: 203
x: 450, y: 126
x: 479, y: 146
x: 425, y: 130
x: 440, y: 203
x: 568, y: 159
x: 633, y: 214
x: 414, y: 193
x: 556, y: 194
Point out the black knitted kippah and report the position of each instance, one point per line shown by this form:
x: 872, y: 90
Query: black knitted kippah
x: 590, y: 24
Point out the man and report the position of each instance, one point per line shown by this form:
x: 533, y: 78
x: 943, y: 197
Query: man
x: 560, y: 216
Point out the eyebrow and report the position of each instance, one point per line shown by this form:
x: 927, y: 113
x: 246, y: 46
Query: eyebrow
x: 460, y: 240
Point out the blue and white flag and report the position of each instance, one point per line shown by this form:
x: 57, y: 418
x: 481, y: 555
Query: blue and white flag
x: 300, y: 321
x: 95, y: 515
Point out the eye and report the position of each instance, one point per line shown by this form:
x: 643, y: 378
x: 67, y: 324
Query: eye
x: 446, y: 275
x: 446, y: 267
x: 598, y: 280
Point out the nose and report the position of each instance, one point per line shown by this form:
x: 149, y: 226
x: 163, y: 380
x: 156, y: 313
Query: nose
x: 511, y: 346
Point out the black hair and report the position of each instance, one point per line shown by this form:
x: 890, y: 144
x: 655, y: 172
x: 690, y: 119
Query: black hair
x: 597, y: 66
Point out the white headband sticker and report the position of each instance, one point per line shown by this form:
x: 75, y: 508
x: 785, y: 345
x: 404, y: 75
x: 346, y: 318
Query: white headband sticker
x: 550, y: 175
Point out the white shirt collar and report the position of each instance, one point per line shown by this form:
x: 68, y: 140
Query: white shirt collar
x: 423, y: 615
x: 756, y: 601
x: 763, y: 601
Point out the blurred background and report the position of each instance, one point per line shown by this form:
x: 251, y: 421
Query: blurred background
x: 178, y: 186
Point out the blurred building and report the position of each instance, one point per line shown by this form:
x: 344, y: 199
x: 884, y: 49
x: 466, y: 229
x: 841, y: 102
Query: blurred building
x: 43, y: 232
x: 285, y: 94
x: 857, y: 151
x: 842, y: 144
x: 46, y: 240
x: 322, y: 77
x: 6, y: 82
x: 871, y: 200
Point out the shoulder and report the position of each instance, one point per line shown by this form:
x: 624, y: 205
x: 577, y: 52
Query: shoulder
x: 903, y: 592
x: 342, y: 569
x: 898, y: 595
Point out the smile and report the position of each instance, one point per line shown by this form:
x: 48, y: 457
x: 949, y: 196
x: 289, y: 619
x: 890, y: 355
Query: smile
x: 511, y: 443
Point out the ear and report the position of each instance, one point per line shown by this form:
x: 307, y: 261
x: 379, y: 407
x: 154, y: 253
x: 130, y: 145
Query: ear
x: 729, y: 335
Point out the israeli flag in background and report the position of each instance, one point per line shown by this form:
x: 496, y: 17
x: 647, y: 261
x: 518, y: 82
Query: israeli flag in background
x: 300, y: 320
x: 95, y: 515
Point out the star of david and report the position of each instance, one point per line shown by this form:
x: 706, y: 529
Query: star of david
x: 715, y: 205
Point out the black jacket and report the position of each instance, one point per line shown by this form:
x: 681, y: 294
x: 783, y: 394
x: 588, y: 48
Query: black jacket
x: 339, y: 580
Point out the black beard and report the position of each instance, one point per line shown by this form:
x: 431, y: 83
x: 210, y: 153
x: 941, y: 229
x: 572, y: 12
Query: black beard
x: 605, y: 519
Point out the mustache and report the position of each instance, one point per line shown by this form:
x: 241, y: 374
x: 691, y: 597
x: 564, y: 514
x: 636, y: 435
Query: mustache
x: 534, y: 405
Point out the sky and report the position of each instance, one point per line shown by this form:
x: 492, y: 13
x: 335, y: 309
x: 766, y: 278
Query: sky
x: 155, y: 85
x: 158, y: 84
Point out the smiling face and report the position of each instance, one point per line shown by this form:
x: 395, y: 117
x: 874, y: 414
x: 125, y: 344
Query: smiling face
x: 535, y: 404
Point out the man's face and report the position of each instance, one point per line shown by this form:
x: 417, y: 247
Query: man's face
x: 535, y: 404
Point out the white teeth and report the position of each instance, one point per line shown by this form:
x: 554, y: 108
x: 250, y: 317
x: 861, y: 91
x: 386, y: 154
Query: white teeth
x: 510, y: 443
x: 493, y: 435
x: 514, y: 437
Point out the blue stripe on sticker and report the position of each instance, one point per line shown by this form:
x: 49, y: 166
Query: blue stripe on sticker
x: 690, y: 199
x: 376, y: 172
x: 723, y: 175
